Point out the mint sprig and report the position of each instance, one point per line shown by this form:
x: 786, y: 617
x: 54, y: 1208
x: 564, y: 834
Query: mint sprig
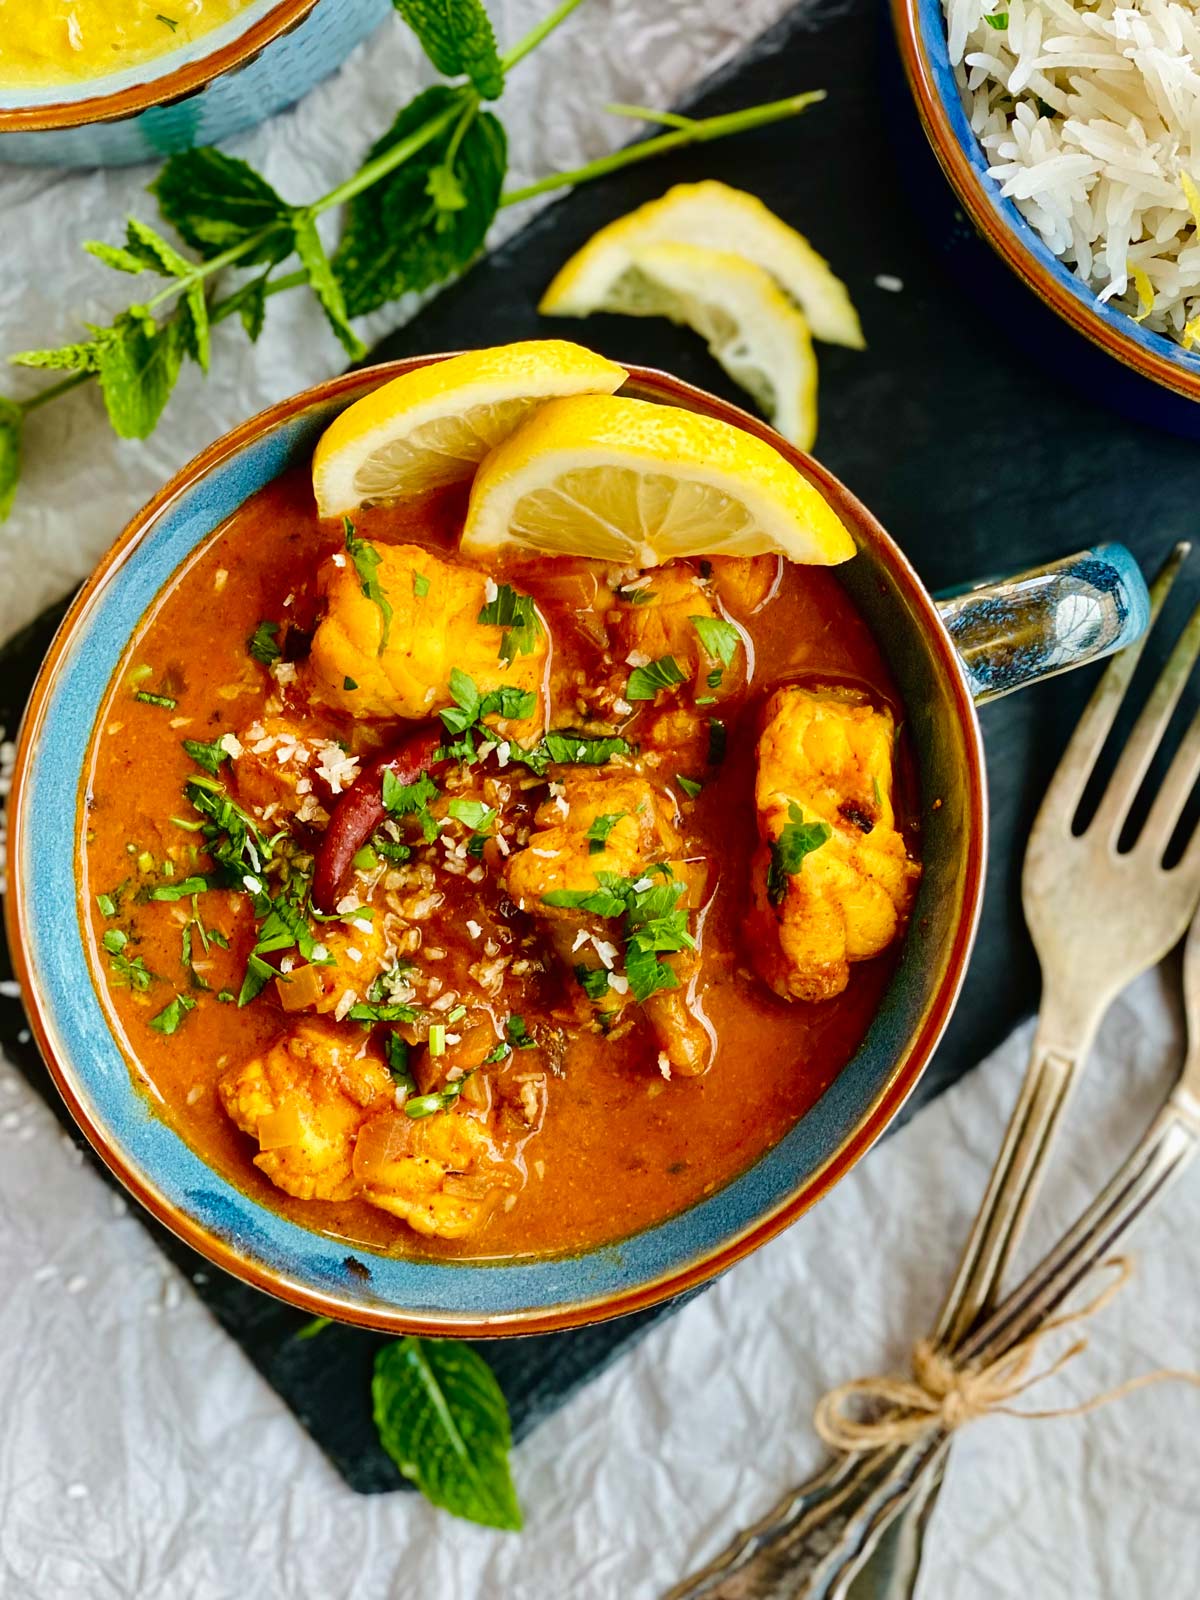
x: 442, y: 1418
x: 417, y: 212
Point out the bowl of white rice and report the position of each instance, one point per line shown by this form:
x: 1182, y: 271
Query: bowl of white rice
x: 1070, y: 132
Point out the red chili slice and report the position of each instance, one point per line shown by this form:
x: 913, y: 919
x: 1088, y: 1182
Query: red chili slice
x: 360, y: 811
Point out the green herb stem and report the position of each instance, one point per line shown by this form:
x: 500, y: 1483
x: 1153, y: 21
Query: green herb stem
x: 534, y: 37
x: 53, y: 390
x: 697, y: 132
x: 403, y: 150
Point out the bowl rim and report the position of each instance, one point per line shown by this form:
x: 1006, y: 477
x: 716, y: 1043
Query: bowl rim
x: 902, y: 1077
x: 1005, y: 238
x: 186, y: 79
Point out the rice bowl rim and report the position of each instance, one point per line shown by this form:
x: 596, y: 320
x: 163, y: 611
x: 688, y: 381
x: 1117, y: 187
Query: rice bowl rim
x: 925, y: 54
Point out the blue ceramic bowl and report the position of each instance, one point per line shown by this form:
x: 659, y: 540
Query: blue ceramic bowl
x: 1161, y: 380
x: 228, y: 80
x: 1093, y: 604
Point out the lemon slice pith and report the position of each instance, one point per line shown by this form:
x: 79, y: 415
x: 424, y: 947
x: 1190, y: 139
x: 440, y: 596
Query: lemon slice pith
x: 630, y: 481
x: 751, y: 326
x: 712, y: 215
x: 432, y: 426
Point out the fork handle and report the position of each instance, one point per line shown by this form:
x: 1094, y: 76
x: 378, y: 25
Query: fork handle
x: 1016, y: 1176
x: 819, y: 1555
x: 840, y: 1505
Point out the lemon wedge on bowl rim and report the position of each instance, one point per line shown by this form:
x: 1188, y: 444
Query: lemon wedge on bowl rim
x: 634, y: 482
x: 713, y: 215
x: 751, y: 326
x: 432, y: 426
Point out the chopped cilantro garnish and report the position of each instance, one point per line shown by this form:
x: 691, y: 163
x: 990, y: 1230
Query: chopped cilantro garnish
x: 420, y: 585
x: 263, y: 645
x: 497, y: 1053
x: 391, y: 851
x: 349, y: 685
x: 129, y: 971
x: 366, y: 859
x: 258, y: 974
x: 366, y: 564
x: 172, y: 1014
x: 108, y: 903
x: 208, y: 756
x: 518, y: 1034
x: 470, y: 707
x: 424, y: 1105
x: 597, y: 834
x: 719, y: 638
x: 636, y: 597
x: 689, y: 785
x: 403, y: 798
x: 115, y: 941
x: 396, y: 1051
x: 717, y: 740
x: 653, y: 923
x: 368, y: 1011
x: 999, y: 20
x: 148, y: 699
x: 515, y: 614
x: 593, y: 981
x: 798, y: 839
x: 182, y: 890
x: 572, y: 749
x: 645, y: 682
x: 472, y: 814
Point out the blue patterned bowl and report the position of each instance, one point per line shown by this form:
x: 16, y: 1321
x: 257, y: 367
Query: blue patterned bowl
x: 984, y: 642
x: 1160, y: 382
x: 262, y: 60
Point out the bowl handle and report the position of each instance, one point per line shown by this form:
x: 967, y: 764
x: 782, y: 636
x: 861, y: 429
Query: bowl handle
x: 1036, y: 624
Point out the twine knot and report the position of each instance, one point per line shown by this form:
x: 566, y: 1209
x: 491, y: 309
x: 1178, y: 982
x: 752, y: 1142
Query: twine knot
x: 943, y: 1394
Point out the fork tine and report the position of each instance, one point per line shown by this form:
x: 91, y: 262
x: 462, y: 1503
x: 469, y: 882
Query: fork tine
x: 1173, y: 796
x: 1148, y: 731
x: 1068, y: 783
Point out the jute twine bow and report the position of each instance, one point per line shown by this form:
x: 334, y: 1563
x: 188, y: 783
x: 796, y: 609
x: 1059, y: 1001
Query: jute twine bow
x: 943, y: 1395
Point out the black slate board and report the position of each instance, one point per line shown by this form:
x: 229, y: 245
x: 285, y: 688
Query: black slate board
x: 976, y: 459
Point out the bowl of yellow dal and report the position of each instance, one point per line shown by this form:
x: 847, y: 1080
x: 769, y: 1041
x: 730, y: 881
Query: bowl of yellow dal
x: 108, y: 82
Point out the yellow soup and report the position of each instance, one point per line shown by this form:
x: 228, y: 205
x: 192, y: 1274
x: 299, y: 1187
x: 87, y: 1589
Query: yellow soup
x: 65, y: 41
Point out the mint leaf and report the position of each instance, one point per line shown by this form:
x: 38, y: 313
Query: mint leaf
x: 798, y: 839
x: 214, y: 201
x: 442, y: 1418
x: 138, y: 363
x: 396, y: 238
x: 12, y: 420
x: 457, y: 37
x: 324, y: 284
x: 115, y: 256
x: 443, y: 188
x: 82, y: 357
x: 156, y: 253
x: 249, y: 302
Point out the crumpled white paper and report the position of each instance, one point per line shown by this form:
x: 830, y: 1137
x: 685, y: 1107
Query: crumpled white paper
x: 141, y: 1457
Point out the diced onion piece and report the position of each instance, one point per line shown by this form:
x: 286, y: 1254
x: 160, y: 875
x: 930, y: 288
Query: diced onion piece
x: 300, y: 989
x: 384, y: 1140
x: 280, y: 1128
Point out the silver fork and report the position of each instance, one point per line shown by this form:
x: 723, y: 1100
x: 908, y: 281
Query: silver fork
x: 1099, y: 919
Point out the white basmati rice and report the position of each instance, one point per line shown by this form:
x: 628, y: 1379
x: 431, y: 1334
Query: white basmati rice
x: 1090, y: 119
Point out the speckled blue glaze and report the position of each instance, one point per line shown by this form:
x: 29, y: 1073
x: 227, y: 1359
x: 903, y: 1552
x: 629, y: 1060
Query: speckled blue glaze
x: 278, y: 76
x: 363, y: 1284
x: 1127, y: 390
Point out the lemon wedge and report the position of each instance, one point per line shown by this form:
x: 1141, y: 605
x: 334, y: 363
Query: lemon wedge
x: 432, y: 426
x: 632, y: 482
x: 710, y: 214
x: 751, y: 326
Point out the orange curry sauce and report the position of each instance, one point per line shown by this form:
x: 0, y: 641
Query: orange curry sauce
x: 618, y: 1147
